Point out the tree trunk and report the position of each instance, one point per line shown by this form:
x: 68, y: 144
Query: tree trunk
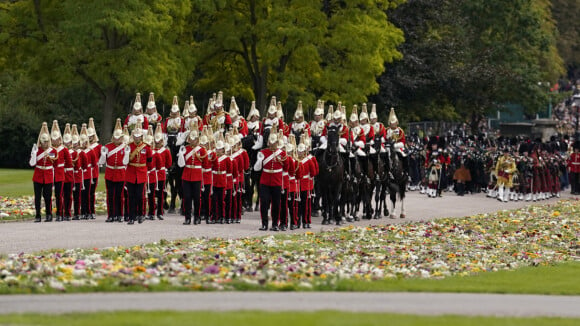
x: 260, y: 91
x: 107, y: 123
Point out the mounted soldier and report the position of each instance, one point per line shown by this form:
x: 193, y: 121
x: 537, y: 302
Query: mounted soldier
x: 153, y: 117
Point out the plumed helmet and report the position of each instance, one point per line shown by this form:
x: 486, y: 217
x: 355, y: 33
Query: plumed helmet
x: 354, y: 114
x: 151, y: 102
x: 373, y: 114
x: 159, y: 134
x: 299, y: 112
x: 319, y: 108
x: 330, y: 112
x: 43, y: 135
x: 138, y: 106
x: 363, y: 114
x: 175, y: 105
x: 118, y: 131
x: 66, y: 135
x: 55, y: 131
x: 272, y: 109
x: 393, y: 117
x: 192, y: 107
x: 92, y: 131
x: 234, y: 110
x: 253, y: 111
x: 273, y: 138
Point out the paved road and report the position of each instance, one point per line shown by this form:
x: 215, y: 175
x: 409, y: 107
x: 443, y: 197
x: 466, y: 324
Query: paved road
x: 30, y: 237
x: 404, y: 303
x: 20, y: 237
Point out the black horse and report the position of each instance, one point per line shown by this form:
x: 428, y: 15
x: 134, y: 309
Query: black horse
x: 380, y: 180
x: 331, y: 172
x: 251, y: 178
x: 173, y: 181
x: 350, y: 190
x: 397, y: 180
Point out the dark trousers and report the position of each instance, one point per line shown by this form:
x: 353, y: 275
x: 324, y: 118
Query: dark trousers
x: 43, y: 191
x: 305, y: 209
x: 239, y: 201
x: 92, y: 195
x: 77, y: 198
x: 206, y: 202
x: 67, y: 198
x: 114, y: 198
x: 284, y: 208
x: 151, y: 199
x: 270, y: 195
x: 135, y: 198
x: 218, y: 209
x: 85, y: 197
x: 125, y: 202
x: 293, y: 207
x: 58, y: 196
x: 160, y: 196
x: 192, y: 195
x: 228, y: 204
x: 574, y: 184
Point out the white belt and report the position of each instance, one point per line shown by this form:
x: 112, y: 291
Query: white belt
x: 44, y: 167
x: 272, y: 171
x: 152, y: 170
x: 228, y: 174
x: 575, y: 163
x: 69, y: 169
x: 306, y: 176
x: 206, y: 170
x: 162, y: 169
x: 285, y: 173
x: 90, y: 165
x: 292, y: 178
x: 60, y: 165
x: 115, y: 167
x: 193, y: 167
x: 219, y: 172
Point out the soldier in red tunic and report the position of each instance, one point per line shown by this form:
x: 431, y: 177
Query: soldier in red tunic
x: 574, y: 169
x: 205, y: 140
x: 151, y: 186
x: 294, y: 182
x: 63, y: 160
x: 272, y: 162
x: 191, y: 158
x: 95, y: 147
x: 88, y: 171
x: 43, y: 158
x: 286, y: 175
x: 151, y: 114
x: 231, y: 179
x: 80, y: 163
x: 164, y: 162
x: 115, y: 157
x: 243, y: 163
x: 140, y: 159
x: 68, y: 173
x: 221, y: 166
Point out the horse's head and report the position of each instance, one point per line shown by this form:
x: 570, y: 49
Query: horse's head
x: 333, y: 137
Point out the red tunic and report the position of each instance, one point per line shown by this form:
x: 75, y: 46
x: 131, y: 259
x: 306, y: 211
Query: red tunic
x: 164, y: 162
x: 574, y: 163
x: 195, y: 159
x: 295, y: 176
x: 44, y: 167
x: 61, y: 163
x: 152, y: 168
x: 96, y: 148
x: 221, y: 166
x: 140, y: 158
x: 69, y: 171
x: 115, y: 169
x: 273, y: 165
x: 91, y: 161
x: 242, y: 125
x: 232, y: 175
x: 80, y: 164
x: 207, y: 168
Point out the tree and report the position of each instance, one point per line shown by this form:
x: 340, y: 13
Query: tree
x: 115, y: 47
x: 299, y: 48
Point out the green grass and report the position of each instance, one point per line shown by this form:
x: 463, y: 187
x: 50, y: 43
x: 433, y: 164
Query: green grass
x: 254, y: 318
x: 18, y: 182
x: 560, y: 279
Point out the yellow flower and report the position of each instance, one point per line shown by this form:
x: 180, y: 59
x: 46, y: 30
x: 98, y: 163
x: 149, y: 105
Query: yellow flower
x: 555, y: 214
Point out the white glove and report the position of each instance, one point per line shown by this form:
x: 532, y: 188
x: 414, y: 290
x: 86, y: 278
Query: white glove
x: 221, y: 119
x: 323, y: 140
x: 342, y: 141
x: 32, y: 161
x: 323, y: 146
x: 126, y: 157
x: 259, y: 143
x: 181, y: 138
x: 398, y: 145
x: 34, y: 149
x: 283, y: 191
x: 359, y: 143
x: 181, y: 157
x: 103, y: 158
x: 258, y: 164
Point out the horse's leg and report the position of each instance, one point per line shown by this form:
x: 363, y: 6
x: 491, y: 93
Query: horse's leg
x: 402, y: 197
x: 173, y: 196
x: 393, y: 197
x: 377, y: 199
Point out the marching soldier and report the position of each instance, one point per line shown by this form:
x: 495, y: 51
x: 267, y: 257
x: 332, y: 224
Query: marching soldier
x: 231, y: 180
x: 137, y: 117
x: 294, y: 183
x: 504, y: 169
x: 79, y: 160
x: 574, y: 168
x: 308, y: 171
x: 115, y: 157
x: 96, y: 148
x: 191, y: 158
x: 205, y: 140
x: 243, y: 163
x: 88, y: 171
x: 164, y: 162
x: 272, y: 162
x: 69, y: 173
x: 63, y: 161
x: 152, y: 181
x: 151, y: 114
x: 140, y: 159
x: 43, y: 158
x: 221, y: 166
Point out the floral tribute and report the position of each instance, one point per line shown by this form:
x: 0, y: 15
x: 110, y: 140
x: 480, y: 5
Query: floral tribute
x: 531, y: 236
x: 23, y: 207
